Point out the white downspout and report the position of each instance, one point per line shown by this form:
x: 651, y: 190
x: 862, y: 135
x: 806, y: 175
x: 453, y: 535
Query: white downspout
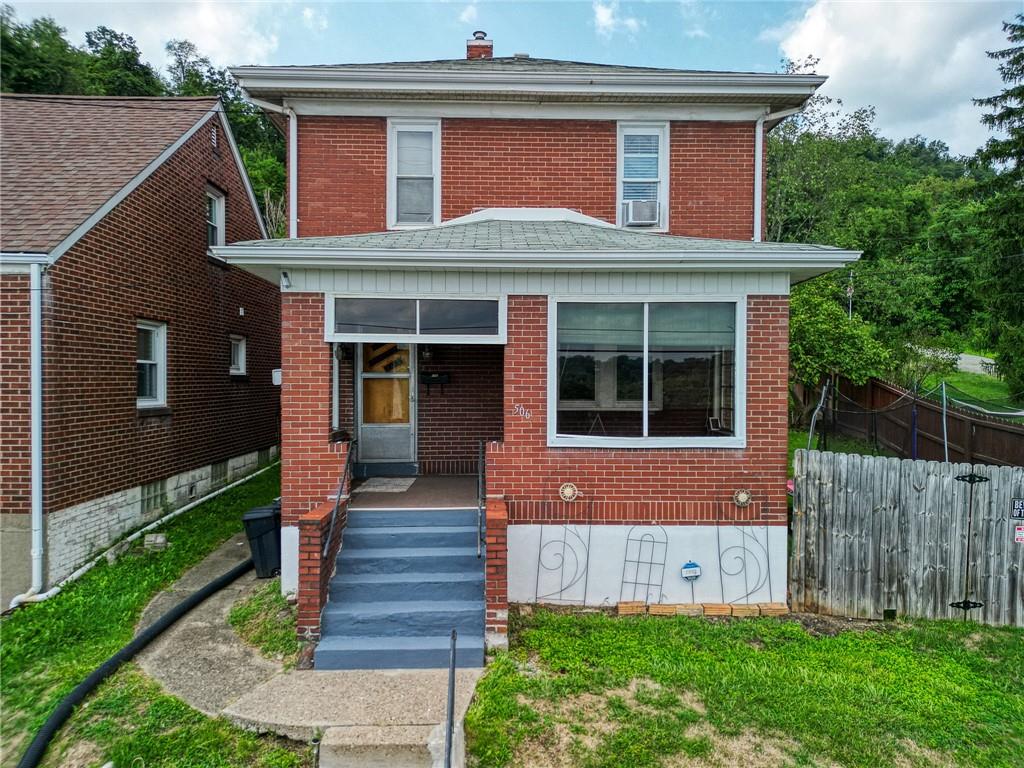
x: 293, y: 160
x: 34, y: 593
x: 759, y: 163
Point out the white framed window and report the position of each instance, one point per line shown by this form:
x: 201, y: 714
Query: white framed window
x: 414, y: 173
x: 427, y: 320
x: 151, y: 364
x: 687, y: 355
x: 215, y: 209
x: 643, y: 169
x: 236, y: 367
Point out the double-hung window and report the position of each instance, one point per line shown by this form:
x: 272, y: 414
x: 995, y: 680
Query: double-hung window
x: 414, y: 173
x: 214, y: 217
x: 656, y: 373
x: 643, y: 174
x: 151, y: 364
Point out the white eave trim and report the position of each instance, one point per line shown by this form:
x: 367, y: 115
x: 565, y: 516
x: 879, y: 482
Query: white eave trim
x: 97, y: 216
x: 254, y: 79
x: 717, y: 261
x: 21, y: 262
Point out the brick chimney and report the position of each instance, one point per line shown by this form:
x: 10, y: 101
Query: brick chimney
x: 479, y: 47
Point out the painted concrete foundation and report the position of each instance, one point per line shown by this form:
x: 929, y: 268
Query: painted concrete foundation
x: 604, y: 564
x: 75, y: 534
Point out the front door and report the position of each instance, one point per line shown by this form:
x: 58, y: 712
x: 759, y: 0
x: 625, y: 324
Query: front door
x: 387, y: 407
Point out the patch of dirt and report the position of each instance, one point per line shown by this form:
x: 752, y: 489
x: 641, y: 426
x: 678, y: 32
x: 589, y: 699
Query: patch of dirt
x: 916, y: 756
x: 820, y: 625
x: 578, y: 724
x: 973, y: 641
x: 743, y: 750
x: 81, y: 754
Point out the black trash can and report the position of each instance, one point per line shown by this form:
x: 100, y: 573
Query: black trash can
x: 263, y: 527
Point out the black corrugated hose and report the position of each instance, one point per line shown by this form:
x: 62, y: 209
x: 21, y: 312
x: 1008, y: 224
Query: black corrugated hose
x: 42, y: 739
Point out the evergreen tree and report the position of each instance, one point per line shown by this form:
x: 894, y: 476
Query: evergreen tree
x: 1004, y: 286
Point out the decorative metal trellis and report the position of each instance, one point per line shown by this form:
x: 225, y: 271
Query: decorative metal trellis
x: 643, y: 567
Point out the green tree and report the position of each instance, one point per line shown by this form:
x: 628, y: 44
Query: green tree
x: 1003, y: 286
x: 36, y: 58
x: 116, y: 68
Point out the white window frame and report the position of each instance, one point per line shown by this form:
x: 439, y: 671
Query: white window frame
x: 159, y: 331
x: 739, y: 437
x: 416, y: 338
x: 661, y: 129
x: 395, y: 125
x: 237, y: 370
x: 220, y: 211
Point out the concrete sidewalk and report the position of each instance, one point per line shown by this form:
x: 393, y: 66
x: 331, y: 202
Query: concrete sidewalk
x: 369, y: 718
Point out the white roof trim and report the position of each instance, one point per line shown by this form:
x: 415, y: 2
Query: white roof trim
x: 81, y: 230
x: 527, y: 214
x: 19, y: 263
x: 703, y: 260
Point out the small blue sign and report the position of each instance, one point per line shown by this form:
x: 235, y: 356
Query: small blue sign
x: 691, y: 571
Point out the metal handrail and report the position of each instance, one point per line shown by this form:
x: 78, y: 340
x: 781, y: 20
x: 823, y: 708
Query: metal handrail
x: 450, y: 724
x: 481, y: 494
x: 346, y: 477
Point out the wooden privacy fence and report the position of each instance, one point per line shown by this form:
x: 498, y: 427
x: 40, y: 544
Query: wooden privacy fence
x: 884, y: 415
x: 872, y: 533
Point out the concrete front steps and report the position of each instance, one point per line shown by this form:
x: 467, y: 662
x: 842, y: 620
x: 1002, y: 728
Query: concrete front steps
x: 404, y: 580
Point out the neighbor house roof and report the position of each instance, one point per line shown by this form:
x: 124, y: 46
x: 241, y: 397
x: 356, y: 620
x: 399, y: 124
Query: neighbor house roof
x: 532, y: 238
x: 63, y: 158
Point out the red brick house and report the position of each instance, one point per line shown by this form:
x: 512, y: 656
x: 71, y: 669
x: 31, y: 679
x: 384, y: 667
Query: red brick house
x: 135, y: 367
x: 565, y: 262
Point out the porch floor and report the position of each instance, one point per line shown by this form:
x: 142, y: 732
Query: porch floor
x: 427, y: 492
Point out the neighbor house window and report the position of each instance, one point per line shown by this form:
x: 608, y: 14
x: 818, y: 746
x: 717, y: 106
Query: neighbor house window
x: 643, y: 174
x: 414, y: 173
x: 218, y: 474
x: 214, y: 217
x: 658, y: 373
x: 151, y: 364
x: 237, y: 365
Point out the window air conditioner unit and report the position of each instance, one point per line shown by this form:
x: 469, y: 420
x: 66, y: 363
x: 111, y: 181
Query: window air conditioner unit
x: 641, y: 213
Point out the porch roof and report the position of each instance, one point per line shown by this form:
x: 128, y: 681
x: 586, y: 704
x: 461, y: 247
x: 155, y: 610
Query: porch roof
x: 533, y: 239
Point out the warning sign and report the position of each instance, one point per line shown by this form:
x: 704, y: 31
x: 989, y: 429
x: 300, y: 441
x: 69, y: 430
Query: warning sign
x: 1017, y: 509
x: 1018, y: 534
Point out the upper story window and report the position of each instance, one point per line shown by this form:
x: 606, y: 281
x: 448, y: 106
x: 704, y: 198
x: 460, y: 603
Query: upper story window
x: 414, y: 173
x: 214, y: 217
x: 151, y: 364
x: 643, y: 175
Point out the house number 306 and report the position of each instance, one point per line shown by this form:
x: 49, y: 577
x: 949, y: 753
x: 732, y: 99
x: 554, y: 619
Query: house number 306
x: 521, y: 411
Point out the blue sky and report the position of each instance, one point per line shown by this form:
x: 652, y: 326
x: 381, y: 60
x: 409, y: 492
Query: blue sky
x: 918, y: 61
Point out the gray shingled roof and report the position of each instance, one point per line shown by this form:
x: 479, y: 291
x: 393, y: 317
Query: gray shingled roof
x: 519, y: 64
x: 555, y: 236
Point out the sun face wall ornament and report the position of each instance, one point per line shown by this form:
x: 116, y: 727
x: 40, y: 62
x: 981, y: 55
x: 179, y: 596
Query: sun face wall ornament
x: 742, y: 497
x: 568, y: 492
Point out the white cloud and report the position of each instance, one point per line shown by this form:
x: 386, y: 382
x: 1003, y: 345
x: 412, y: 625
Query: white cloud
x: 227, y: 33
x: 694, y: 19
x: 469, y: 13
x: 608, y: 20
x: 313, y: 19
x: 919, y: 63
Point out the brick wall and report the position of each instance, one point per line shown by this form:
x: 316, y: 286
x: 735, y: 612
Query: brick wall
x: 310, y: 463
x: 669, y: 486
x: 316, y: 569
x: 531, y: 163
x: 452, y: 419
x: 15, y: 420
x: 147, y: 260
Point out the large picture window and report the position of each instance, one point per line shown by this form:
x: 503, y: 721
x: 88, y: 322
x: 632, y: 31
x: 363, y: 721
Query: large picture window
x: 654, y: 372
x: 433, y: 320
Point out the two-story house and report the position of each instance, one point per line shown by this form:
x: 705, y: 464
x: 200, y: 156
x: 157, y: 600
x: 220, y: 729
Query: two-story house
x: 560, y: 261
x: 135, y: 367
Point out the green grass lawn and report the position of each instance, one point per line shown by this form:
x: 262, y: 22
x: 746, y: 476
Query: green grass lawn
x: 48, y: 648
x: 600, y: 692
x: 266, y: 621
x: 976, y: 385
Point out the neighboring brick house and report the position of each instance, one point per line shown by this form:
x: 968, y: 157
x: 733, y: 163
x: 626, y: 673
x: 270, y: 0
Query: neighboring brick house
x: 566, y: 261
x: 155, y: 358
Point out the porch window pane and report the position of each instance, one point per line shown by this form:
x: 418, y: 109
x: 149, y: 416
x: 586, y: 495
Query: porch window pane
x: 597, y: 345
x: 458, y: 318
x: 415, y: 201
x: 386, y: 401
x: 691, y: 348
x: 385, y: 358
x: 384, y: 316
